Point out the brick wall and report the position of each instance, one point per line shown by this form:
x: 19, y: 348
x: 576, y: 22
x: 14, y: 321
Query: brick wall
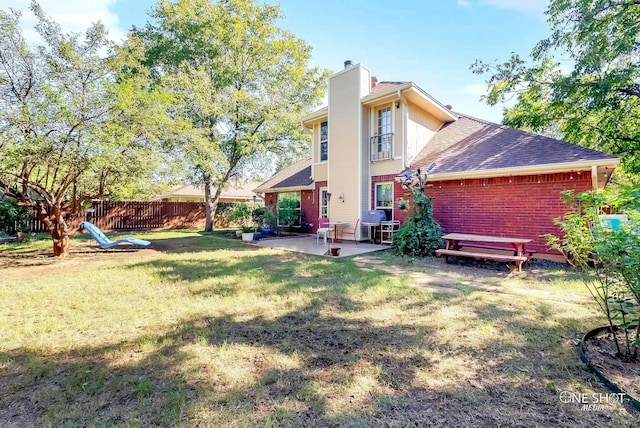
x: 523, y: 207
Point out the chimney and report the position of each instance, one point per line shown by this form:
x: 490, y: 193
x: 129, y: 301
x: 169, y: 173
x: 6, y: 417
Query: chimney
x: 347, y: 64
x: 374, y: 82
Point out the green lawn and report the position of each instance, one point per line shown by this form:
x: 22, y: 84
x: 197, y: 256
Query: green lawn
x: 201, y: 331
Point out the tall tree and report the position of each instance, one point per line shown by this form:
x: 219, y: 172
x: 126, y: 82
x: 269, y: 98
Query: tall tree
x: 75, y: 121
x: 242, y: 82
x: 597, y: 103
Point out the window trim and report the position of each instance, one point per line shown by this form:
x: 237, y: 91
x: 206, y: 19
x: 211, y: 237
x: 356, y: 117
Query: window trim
x: 382, y: 133
x: 321, y: 200
x: 325, y: 142
x: 375, y: 196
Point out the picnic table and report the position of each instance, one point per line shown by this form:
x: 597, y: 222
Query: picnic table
x: 455, y: 241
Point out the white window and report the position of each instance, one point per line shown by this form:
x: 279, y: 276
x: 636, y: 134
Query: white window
x: 384, y: 199
x: 384, y: 195
x: 324, y: 203
x: 382, y: 140
x: 324, y: 142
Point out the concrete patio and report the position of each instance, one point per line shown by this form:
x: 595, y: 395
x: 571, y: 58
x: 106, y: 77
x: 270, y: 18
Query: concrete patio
x: 307, y: 244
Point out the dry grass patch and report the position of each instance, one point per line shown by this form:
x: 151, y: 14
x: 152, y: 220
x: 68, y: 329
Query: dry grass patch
x: 212, y: 333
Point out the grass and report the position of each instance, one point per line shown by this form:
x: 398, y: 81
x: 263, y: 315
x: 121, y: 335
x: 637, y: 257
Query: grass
x: 201, y: 331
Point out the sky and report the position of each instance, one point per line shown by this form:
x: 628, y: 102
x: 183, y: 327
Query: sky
x: 429, y: 42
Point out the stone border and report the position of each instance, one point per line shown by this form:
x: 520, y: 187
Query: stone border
x: 612, y: 386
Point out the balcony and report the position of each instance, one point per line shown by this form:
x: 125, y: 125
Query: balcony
x: 381, y: 147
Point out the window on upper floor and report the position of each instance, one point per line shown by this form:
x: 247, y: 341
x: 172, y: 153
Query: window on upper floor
x: 382, y: 141
x: 324, y: 142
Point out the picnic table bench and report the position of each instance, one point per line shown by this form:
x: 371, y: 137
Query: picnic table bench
x: 455, y: 241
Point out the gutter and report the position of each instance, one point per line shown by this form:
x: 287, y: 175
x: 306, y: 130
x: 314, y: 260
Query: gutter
x: 284, y: 189
x: 527, y: 170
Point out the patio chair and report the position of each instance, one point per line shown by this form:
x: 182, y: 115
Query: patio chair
x: 104, y: 242
x: 324, y: 229
x: 354, y: 232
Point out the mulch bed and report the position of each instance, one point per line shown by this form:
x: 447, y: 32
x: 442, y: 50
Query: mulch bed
x: 601, y: 351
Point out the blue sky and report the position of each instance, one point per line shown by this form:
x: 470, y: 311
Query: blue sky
x: 430, y: 42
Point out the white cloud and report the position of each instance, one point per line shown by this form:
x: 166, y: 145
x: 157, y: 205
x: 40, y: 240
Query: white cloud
x: 72, y: 15
x: 464, y: 3
x: 535, y: 6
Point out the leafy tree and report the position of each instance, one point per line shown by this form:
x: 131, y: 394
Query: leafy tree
x: 597, y: 103
x: 242, y: 82
x: 77, y: 119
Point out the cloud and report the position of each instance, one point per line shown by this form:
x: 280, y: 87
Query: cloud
x: 464, y: 3
x: 534, y: 6
x: 72, y: 15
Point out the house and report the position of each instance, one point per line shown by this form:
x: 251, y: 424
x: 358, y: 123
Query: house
x: 239, y: 190
x: 488, y: 179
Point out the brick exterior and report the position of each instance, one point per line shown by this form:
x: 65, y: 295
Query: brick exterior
x: 398, y: 193
x: 522, y: 207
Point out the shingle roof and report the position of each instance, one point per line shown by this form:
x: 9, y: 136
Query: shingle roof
x: 240, y: 188
x: 295, y: 175
x: 470, y: 144
x: 383, y: 86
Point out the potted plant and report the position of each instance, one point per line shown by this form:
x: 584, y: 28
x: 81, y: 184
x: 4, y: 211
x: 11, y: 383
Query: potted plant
x: 247, y: 233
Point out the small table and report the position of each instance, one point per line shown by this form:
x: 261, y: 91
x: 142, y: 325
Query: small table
x: 336, y: 225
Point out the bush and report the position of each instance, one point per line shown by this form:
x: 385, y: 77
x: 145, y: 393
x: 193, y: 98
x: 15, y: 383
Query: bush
x: 13, y: 217
x: 612, y: 254
x: 240, y: 215
x: 421, y: 235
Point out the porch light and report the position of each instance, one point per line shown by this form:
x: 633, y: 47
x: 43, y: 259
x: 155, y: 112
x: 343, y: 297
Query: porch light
x: 341, y: 197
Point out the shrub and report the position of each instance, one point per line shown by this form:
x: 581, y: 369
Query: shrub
x: 421, y: 234
x: 13, y: 217
x: 240, y: 215
x: 612, y: 254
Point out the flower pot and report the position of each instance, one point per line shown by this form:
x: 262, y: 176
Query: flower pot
x: 334, y: 251
x: 238, y: 233
x: 248, y: 237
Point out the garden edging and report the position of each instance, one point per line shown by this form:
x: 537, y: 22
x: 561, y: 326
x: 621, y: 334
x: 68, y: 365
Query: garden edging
x: 612, y: 386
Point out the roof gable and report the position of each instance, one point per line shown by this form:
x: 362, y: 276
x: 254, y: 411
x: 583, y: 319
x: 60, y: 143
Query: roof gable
x: 297, y: 175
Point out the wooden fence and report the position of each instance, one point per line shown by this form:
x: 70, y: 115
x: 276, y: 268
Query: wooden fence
x: 115, y: 215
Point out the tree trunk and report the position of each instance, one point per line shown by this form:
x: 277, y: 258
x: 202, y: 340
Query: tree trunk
x: 208, y: 205
x: 58, y: 229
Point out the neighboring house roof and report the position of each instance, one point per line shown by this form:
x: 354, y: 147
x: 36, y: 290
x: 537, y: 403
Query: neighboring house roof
x: 474, y: 147
x: 239, y: 189
x: 294, y: 177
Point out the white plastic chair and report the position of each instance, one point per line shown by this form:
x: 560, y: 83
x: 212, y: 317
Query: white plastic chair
x: 323, y: 229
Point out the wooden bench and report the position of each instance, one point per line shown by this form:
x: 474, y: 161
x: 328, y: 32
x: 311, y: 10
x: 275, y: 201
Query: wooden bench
x: 528, y: 253
x: 456, y: 241
x: 489, y: 256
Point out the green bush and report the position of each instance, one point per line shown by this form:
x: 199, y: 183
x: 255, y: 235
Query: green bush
x: 421, y: 234
x: 612, y: 254
x: 240, y: 215
x: 13, y: 217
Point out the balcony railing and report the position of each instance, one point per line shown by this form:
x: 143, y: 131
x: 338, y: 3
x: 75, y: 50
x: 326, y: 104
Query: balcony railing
x: 381, y: 147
